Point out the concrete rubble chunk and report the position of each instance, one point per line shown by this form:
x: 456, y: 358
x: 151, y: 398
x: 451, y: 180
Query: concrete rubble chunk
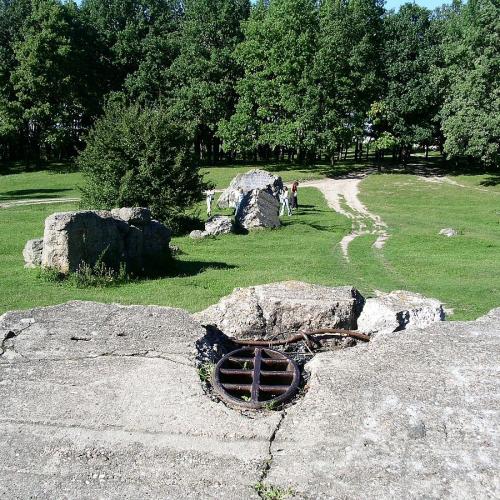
x: 136, y: 216
x: 124, y: 236
x: 259, y: 209
x: 286, y: 307
x: 104, y: 401
x: 449, y: 232
x: 409, y: 416
x: 32, y: 252
x: 218, y: 224
x: 254, y: 179
x: 197, y: 234
x: 399, y: 310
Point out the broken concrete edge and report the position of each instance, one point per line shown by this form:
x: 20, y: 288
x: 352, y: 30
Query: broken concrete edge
x: 268, y: 310
x: 123, y: 236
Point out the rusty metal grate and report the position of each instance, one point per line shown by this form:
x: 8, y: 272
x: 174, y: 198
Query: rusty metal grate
x: 256, y: 377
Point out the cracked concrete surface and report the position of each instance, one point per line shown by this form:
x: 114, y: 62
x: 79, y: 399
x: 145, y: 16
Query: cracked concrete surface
x: 104, y: 401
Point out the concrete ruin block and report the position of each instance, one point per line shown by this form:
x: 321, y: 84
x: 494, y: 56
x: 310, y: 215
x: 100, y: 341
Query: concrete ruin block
x: 135, y: 216
x: 399, y: 310
x: 449, y: 232
x: 286, y: 307
x: 218, y: 224
x: 71, y: 238
x: 259, y: 209
x: 254, y: 179
x: 32, y: 252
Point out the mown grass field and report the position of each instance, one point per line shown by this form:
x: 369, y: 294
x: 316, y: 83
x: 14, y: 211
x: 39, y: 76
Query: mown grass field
x: 463, y: 272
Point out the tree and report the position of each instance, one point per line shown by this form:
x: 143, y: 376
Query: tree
x: 13, y: 14
x: 137, y: 43
x: 411, y: 101
x: 205, y: 73
x: 347, y: 68
x: 42, y: 81
x: 137, y: 156
x: 471, y: 111
x: 276, y: 56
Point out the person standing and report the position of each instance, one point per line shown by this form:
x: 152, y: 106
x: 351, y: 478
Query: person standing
x: 239, y: 199
x: 285, y: 205
x: 210, y: 194
x: 295, y: 203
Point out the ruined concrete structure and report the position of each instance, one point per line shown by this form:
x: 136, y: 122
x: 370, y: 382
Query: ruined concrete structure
x: 105, y: 401
x: 125, y: 235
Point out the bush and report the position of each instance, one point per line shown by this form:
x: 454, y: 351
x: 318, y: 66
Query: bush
x: 138, y: 157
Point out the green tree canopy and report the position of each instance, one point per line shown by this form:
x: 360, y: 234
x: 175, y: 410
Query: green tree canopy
x: 204, y: 74
x: 136, y: 156
x: 471, y: 111
x: 276, y: 56
x: 411, y: 101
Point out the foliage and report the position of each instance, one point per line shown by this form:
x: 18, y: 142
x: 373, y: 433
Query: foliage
x: 135, y: 156
x: 204, y: 74
x: 347, y: 68
x: 270, y: 78
x: 276, y: 55
x: 471, y: 111
x: 270, y: 492
x: 87, y: 276
x: 205, y: 372
x: 411, y: 99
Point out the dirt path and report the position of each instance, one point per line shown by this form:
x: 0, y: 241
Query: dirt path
x: 342, y: 196
x: 435, y: 179
x: 37, y: 201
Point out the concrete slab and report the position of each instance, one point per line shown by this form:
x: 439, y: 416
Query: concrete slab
x: 410, y: 415
x: 104, y: 401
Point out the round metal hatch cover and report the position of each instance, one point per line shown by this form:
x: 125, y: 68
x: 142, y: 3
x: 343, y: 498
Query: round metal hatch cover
x: 256, y: 377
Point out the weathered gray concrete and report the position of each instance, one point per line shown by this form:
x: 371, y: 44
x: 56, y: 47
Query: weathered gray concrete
x: 413, y: 414
x: 104, y: 401
x: 270, y: 310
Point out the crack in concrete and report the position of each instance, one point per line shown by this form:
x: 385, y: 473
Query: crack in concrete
x: 125, y: 429
x: 269, y: 461
x: 112, y: 354
x: 12, y: 334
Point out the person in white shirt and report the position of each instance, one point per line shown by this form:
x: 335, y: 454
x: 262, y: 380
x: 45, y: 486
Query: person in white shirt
x: 285, y: 205
x: 239, y: 199
x: 210, y: 194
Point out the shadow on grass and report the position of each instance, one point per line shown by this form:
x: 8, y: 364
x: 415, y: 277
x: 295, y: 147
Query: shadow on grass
x: 187, y: 268
x: 33, y: 193
x: 17, y: 167
x: 491, y: 181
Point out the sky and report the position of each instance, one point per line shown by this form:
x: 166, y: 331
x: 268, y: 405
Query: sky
x: 430, y: 4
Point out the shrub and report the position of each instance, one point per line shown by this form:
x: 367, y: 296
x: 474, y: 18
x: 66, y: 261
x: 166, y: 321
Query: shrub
x: 137, y: 156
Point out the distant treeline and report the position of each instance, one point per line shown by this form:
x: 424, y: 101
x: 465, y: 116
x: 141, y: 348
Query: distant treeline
x: 297, y: 79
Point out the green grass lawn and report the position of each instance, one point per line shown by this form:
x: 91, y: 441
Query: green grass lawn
x: 56, y: 182
x: 463, y: 272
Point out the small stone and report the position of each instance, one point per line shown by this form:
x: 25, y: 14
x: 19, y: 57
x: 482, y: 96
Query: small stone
x: 449, y: 232
x: 32, y: 252
x: 197, y: 234
x: 218, y: 224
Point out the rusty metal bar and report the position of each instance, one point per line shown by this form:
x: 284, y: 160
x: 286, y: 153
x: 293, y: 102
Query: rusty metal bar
x: 300, y: 336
